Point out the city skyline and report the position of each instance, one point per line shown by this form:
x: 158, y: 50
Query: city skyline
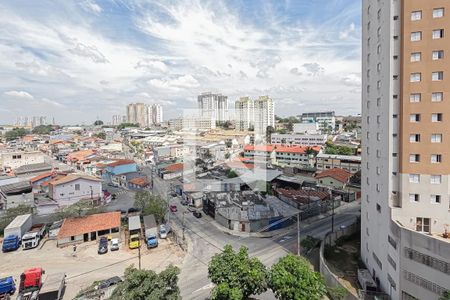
x: 97, y: 57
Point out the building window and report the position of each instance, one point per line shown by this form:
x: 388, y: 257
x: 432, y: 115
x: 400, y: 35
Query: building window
x: 414, y: 118
x: 416, y: 77
x: 77, y: 187
x: 378, y: 208
x: 437, y: 97
x: 437, y: 76
x: 414, y: 138
x: 414, y: 158
x: 436, y: 138
x: 423, y: 224
x: 438, y: 13
x: 392, y: 242
x: 414, y: 197
x: 435, y: 179
x: 438, y: 54
x: 436, y: 158
x: 377, y: 260
x: 416, y: 36
x: 416, y: 56
x: 416, y: 15
x: 438, y: 34
x: 435, y: 199
x: 414, y: 178
x: 379, y: 49
x: 415, y: 97
x: 379, y: 67
x: 436, y: 117
x: 391, y: 262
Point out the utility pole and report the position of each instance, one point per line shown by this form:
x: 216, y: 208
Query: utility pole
x: 332, y: 214
x: 139, y: 254
x: 298, y: 234
x: 184, y: 213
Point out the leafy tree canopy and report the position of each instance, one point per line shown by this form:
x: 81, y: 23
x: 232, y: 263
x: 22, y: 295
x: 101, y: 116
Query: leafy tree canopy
x: 236, y: 274
x: 292, y: 278
x: 11, y: 213
x: 151, y: 205
x: 147, y: 284
x: 125, y: 125
x: 16, y: 133
x: 331, y: 148
x: 42, y: 129
x: 98, y: 123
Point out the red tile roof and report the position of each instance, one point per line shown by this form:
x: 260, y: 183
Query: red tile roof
x: 142, y: 181
x: 42, y: 176
x: 335, y: 173
x: 174, y: 167
x: 121, y: 162
x: 72, y: 177
x: 87, y: 224
x: 260, y: 148
x: 302, y: 196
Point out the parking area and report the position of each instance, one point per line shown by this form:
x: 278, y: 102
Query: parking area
x: 86, y: 266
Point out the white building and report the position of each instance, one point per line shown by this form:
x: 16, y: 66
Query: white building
x: 214, y: 106
x: 306, y: 128
x: 137, y: 113
x: 243, y: 110
x: 299, y: 139
x: 13, y: 160
x: 405, y: 161
x: 325, y: 120
x: 73, y: 188
x: 196, y: 123
x: 257, y: 114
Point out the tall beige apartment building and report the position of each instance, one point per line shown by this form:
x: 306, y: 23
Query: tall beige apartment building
x: 406, y: 146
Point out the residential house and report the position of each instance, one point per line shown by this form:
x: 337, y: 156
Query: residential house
x: 336, y: 178
x: 89, y: 228
x: 120, y: 166
x: 73, y: 188
x: 11, y: 160
x: 350, y: 163
x: 139, y: 183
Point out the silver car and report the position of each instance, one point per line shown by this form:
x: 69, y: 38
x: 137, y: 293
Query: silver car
x: 115, y: 244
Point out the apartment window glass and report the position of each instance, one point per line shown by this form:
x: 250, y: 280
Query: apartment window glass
x: 438, y: 34
x: 435, y: 179
x: 438, y: 54
x: 379, y: 84
x: 414, y: 158
x: 378, y: 67
x: 415, y: 97
x: 413, y: 118
x: 416, y: 15
x: 77, y: 187
x: 437, y: 76
x: 414, y: 178
x: 415, y: 77
x: 416, y: 56
x: 414, y: 138
x: 437, y: 96
x: 436, y: 138
x: 416, y: 36
x: 438, y: 13
x: 423, y: 224
x: 379, y: 49
x: 436, y: 158
x: 436, y: 117
x: 435, y: 198
x: 413, y: 197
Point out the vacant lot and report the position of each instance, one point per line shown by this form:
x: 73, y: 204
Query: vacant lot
x: 87, y: 266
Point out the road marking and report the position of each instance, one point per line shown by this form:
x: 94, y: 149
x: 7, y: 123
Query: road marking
x: 204, y: 288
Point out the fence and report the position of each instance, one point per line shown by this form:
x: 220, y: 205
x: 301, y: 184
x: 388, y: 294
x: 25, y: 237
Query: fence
x: 330, y: 278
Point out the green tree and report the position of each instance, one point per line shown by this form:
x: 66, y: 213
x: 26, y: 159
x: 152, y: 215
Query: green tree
x: 269, y: 131
x: 232, y: 271
x: 100, y: 135
x: 15, y: 133
x: 98, y: 123
x: 292, y: 278
x: 232, y: 174
x: 147, y: 284
x: 42, y: 129
x: 311, y: 151
x: 224, y: 292
x: 125, y: 125
x: 151, y: 205
x: 11, y: 213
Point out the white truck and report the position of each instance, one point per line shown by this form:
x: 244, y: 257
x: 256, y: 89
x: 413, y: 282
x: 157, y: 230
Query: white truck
x: 151, y: 231
x: 19, y: 226
x: 32, y: 238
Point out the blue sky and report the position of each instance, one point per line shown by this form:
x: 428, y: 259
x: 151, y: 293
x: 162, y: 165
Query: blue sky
x: 76, y: 60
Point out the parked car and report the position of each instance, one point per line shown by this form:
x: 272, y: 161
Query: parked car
x: 197, y: 214
x: 115, y: 244
x: 163, y: 231
x: 132, y: 210
x: 173, y: 194
x: 184, y: 202
x: 103, y: 245
x: 113, y: 196
x: 109, y: 282
x: 173, y: 208
x: 7, y: 286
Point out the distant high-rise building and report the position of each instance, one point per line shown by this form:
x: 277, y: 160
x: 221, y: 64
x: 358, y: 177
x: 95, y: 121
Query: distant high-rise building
x: 405, y: 169
x: 33, y: 121
x: 117, y: 120
x: 155, y: 114
x: 325, y: 120
x: 255, y: 114
x: 137, y: 113
x: 264, y: 112
x: 214, y: 106
x: 243, y: 111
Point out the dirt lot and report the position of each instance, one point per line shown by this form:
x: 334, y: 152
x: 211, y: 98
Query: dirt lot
x: 87, y: 266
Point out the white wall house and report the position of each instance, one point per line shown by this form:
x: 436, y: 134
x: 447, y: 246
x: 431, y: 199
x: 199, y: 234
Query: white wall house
x: 73, y: 188
x: 17, y: 159
x: 299, y: 139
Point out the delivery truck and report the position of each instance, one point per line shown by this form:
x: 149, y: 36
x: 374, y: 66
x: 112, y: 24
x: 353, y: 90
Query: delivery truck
x: 14, y: 231
x: 134, y: 228
x: 151, y: 231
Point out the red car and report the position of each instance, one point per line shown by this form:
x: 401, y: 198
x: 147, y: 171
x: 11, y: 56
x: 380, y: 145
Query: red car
x: 173, y: 208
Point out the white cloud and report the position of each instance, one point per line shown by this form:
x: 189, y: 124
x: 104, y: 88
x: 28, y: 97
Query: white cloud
x: 19, y: 94
x: 181, y: 82
x: 352, y: 80
x: 51, y: 102
x: 91, y: 6
x: 90, y: 52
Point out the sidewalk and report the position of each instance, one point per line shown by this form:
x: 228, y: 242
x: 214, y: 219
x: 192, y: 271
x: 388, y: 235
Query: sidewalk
x: 303, y: 224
